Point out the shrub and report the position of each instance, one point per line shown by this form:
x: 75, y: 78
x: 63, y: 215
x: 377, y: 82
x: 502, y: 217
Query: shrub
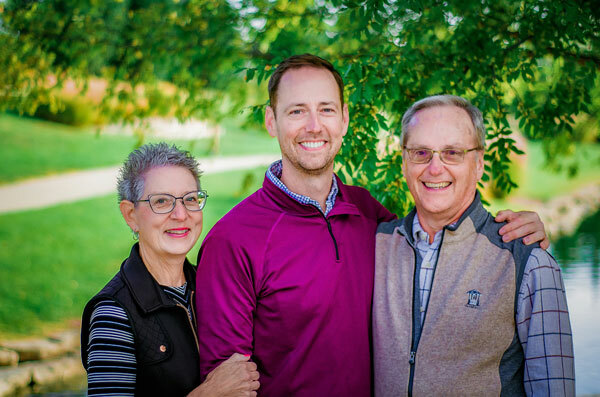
x: 74, y: 111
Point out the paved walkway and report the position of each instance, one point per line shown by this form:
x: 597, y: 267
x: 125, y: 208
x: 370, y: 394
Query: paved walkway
x: 78, y: 185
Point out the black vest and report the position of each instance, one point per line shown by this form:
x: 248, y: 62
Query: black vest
x: 166, y: 346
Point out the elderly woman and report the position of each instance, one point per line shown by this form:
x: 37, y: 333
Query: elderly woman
x: 138, y: 333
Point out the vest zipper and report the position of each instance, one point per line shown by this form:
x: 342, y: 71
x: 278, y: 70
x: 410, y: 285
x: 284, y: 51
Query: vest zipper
x: 415, y: 340
x: 411, y: 362
x: 192, y: 326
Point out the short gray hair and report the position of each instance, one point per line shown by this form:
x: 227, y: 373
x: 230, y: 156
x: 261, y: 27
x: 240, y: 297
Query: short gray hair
x: 445, y: 100
x: 130, y: 182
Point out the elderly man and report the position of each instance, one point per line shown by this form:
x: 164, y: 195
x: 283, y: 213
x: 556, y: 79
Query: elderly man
x: 488, y: 317
x: 287, y: 275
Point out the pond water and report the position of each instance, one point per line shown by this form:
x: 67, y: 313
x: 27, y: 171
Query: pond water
x: 579, y: 257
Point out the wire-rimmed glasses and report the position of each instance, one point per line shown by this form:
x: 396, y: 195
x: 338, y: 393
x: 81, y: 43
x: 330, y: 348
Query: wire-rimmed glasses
x: 448, y: 156
x: 163, y: 203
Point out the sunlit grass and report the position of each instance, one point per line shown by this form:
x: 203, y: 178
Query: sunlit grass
x: 53, y: 260
x: 32, y: 147
x: 542, y: 183
x: 538, y: 182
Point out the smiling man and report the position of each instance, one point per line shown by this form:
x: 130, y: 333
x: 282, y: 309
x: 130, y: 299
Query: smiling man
x: 287, y: 275
x: 488, y: 317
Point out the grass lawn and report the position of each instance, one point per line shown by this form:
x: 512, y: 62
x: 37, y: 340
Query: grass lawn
x: 53, y: 260
x: 32, y: 147
x: 542, y: 183
x: 538, y: 182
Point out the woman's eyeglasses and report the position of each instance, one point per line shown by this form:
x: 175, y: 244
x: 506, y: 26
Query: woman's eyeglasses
x: 164, y: 203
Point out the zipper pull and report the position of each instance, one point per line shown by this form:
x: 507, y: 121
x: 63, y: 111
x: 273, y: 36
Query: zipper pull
x: 412, y: 358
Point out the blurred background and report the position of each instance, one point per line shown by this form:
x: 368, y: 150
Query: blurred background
x: 83, y: 82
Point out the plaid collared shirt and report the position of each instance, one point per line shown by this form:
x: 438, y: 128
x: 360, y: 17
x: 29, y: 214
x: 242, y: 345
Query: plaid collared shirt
x: 544, y: 328
x: 274, y: 175
x: 429, y: 254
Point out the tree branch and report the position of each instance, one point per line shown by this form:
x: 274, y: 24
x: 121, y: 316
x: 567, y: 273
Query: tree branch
x: 580, y: 57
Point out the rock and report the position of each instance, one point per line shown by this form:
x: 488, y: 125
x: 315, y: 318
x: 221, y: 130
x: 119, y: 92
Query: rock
x: 35, y: 349
x: 13, y: 379
x: 42, y: 367
x: 42, y: 349
x: 39, y: 373
x: 8, y: 357
x: 69, y: 339
x: 56, y: 370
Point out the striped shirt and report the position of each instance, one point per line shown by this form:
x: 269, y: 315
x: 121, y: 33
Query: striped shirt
x: 542, y: 317
x: 112, y: 363
x: 274, y: 175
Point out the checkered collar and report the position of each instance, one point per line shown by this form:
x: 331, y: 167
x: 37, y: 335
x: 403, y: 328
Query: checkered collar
x: 274, y: 175
x: 421, y: 236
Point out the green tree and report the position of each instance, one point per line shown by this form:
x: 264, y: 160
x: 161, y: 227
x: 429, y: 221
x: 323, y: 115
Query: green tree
x: 134, y: 45
x: 537, y: 60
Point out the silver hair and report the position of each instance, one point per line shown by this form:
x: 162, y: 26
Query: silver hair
x: 130, y: 182
x: 445, y: 100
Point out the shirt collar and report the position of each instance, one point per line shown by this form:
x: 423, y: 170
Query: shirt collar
x: 274, y: 175
x: 421, y: 236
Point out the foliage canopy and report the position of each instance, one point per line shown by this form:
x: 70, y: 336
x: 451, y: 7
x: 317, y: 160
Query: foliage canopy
x: 133, y: 45
x: 536, y: 60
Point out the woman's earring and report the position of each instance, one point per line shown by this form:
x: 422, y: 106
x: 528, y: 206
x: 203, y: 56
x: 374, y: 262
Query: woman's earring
x: 136, y: 235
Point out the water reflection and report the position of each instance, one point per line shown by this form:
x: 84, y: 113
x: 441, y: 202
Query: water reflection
x: 582, y: 248
x: 579, y: 257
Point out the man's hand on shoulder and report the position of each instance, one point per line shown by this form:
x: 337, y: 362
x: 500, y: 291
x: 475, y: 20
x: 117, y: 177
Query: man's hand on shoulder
x: 526, y: 224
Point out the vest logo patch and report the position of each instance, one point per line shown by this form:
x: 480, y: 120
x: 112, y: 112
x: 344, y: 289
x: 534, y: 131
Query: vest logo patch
x: 473, y: 298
